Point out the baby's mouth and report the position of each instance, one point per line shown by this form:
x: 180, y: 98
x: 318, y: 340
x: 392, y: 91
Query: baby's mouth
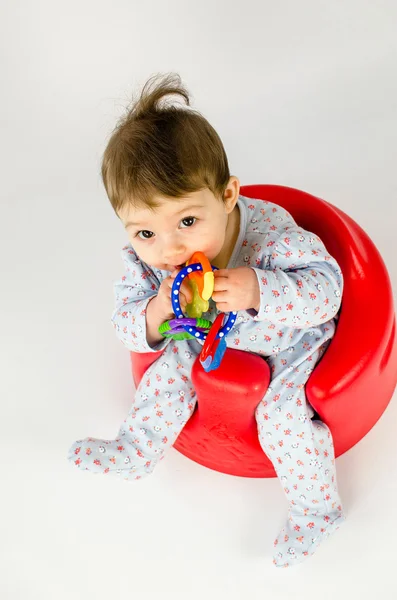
x: 173, y: 267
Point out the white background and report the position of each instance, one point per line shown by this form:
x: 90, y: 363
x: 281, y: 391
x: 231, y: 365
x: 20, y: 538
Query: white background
x: 302, y: 94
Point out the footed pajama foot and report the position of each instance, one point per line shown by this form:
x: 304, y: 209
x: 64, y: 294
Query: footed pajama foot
x: 302, y: 535
x: 109, y: 456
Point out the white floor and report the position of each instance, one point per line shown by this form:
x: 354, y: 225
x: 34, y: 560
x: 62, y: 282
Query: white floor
x: 302, y: 94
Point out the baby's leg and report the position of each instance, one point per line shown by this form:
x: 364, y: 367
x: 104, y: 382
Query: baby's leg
x: 164, y: 401
x: 301, y: 451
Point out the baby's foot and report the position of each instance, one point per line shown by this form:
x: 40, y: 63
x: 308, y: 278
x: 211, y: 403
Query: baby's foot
x: 302, y: 535
x: 104, y: 456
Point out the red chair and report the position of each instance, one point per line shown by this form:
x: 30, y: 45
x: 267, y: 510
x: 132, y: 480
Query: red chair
x: 350, y: 386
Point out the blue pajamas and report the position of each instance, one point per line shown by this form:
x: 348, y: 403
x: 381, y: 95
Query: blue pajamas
x: 301, y: 288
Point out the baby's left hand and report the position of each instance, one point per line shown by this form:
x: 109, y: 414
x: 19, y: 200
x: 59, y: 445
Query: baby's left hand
x: 236, y: 289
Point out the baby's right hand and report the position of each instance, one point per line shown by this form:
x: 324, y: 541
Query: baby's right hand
x: 163, y: 298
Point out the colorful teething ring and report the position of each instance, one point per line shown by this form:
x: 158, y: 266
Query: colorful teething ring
x: 213, y: 334
x: 194, y: 331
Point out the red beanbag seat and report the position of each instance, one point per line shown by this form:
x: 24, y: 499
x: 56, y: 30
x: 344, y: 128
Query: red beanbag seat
x: 349, y: 388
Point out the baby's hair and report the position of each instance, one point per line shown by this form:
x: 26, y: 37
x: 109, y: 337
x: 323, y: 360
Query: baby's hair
x: 163, y: 150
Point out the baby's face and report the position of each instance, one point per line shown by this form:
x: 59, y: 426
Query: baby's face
x: 169, y: 236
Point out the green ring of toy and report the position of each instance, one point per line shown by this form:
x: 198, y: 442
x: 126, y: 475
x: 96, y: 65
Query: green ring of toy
x: 165, y: 327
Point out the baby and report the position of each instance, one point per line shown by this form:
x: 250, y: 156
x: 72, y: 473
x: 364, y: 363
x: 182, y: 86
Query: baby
x: 167, y: 177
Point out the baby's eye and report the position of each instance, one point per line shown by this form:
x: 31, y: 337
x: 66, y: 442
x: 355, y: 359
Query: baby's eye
x: 189, y: 219
x: 147, y: 235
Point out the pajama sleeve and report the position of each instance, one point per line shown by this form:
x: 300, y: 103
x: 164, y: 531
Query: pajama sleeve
x: 132, y: 294
x: 300, y: 284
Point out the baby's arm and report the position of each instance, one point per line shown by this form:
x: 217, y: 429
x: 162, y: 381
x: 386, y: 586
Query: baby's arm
x: 133, y: 292
x: 301, y: 284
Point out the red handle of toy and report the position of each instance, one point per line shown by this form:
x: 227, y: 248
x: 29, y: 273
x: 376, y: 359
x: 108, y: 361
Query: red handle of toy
x: 210, y: 339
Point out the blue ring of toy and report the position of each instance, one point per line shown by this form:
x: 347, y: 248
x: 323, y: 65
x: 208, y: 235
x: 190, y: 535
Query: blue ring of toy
x: 225, y: 329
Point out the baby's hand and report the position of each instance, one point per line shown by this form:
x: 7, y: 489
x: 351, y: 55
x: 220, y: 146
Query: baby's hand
x: 163, y: 298
x: 236, y: 289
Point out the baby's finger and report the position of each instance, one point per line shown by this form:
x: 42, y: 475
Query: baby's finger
x: 170, y: 279
x: 184, y: 289
x: 187, y: 292
x: 183, y: 300
x: 176, y: 271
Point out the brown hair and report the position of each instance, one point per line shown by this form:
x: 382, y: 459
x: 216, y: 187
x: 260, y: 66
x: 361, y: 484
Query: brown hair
x: 169, y: 151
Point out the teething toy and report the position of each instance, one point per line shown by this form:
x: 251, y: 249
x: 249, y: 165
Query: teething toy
x: 201, y: 279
